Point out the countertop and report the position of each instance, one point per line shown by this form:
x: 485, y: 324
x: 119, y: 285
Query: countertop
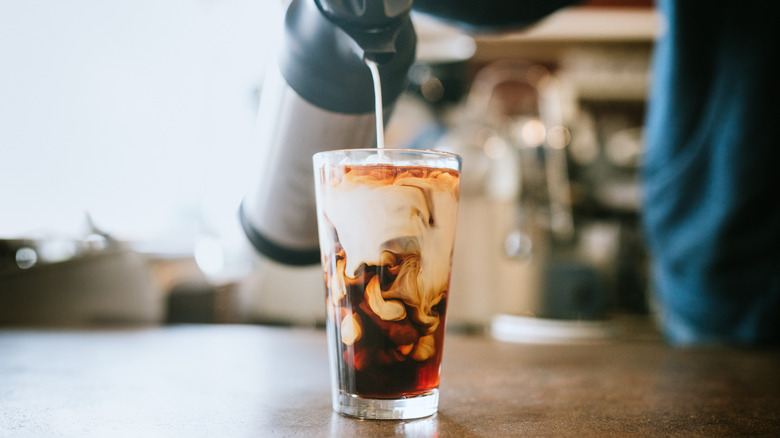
x: 251, y: 380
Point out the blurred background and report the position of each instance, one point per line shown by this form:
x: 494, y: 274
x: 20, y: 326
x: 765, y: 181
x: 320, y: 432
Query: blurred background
x: 126, y: 147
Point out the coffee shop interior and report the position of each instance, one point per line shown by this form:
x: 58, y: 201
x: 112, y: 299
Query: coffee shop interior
x: 126, y: 149
x: 127, y: 145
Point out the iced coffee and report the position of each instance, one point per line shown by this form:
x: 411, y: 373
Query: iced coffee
x: 386, y: 227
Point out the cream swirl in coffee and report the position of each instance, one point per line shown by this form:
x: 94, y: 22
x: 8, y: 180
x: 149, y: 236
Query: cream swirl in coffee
x: 395, y: 228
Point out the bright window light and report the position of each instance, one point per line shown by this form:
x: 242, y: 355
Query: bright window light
x: 131, y: 111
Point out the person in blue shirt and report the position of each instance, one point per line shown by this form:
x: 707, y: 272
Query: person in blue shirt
x: 711, y: 165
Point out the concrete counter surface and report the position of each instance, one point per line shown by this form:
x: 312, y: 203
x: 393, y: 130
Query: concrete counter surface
x: 248, y: 380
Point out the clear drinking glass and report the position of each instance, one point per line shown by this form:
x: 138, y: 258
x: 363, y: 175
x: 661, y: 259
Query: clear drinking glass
x: 386, y: 222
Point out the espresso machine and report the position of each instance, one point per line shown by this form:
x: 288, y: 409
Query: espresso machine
x: 320, y: 96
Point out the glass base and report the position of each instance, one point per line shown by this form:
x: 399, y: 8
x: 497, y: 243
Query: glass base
x: 387, y: 409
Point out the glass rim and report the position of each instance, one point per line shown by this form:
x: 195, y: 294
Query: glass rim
x: 399, y: 150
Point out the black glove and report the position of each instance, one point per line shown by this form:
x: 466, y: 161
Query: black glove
x: 491, y: 15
